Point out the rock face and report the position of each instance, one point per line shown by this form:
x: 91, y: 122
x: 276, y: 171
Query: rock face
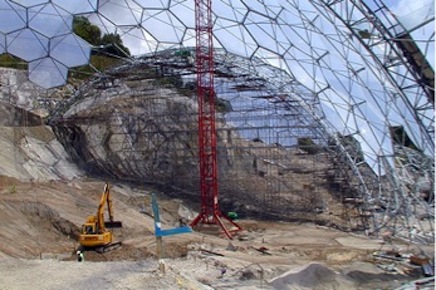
x: 30, y: 150
x: 13, y: 116
x: 145, y: 130
x: 132, y: 137
x: 34, y: 154
x: 17, y: 90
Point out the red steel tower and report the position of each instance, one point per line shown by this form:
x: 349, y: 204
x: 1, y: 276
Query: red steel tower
x: 209, y: 212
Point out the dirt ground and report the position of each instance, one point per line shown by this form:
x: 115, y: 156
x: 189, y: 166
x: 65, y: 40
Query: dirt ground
x: 41, y: 221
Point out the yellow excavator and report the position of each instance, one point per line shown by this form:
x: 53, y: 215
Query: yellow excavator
x: 95, y: 234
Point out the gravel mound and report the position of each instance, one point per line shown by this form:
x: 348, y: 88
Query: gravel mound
x: 313, y: 276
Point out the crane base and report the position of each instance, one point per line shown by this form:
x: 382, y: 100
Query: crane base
x: 217, y: 219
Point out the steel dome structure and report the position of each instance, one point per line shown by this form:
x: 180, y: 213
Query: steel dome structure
x: 351, y: 66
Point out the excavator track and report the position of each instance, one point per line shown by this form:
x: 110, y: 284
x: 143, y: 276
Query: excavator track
x: 108, y: 248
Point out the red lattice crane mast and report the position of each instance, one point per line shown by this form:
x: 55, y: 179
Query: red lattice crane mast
x: 204, y: 62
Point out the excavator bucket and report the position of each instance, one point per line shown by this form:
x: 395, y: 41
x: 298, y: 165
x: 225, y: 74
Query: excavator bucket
x: 113, y: 224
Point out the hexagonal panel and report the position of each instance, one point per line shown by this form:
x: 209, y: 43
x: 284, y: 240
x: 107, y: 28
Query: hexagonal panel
x: 13, y: 17
x: 77, y: 6
x: 70, y: 50
x: 27, y: 44
x: 183, y: 11
x: 231, y: 10
x: 165, y: 27
x: 130, y: 39
x: 230, y: 34
x: 50, y: 20
x: 29, y: 3
x: 122, y: 12
x: 47, y: 72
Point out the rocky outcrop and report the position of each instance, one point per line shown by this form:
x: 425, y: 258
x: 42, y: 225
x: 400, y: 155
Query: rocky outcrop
x: 30, y: 150
x: 34, y: 154
x: 142, y: 131
x: 150, y: 137
x: 16, y: 89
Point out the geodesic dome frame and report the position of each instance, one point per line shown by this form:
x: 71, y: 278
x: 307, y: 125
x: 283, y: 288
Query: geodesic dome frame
x: 346, y: 53
x: 40, y: 33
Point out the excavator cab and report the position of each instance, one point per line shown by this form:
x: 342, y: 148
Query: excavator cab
x: 88, y: 229
x: 95, y: 234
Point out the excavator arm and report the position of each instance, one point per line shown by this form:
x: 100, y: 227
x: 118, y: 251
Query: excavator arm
x: 106, y: 198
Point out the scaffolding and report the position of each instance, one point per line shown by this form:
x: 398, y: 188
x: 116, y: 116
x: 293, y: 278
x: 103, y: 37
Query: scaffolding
x: 139, y: 121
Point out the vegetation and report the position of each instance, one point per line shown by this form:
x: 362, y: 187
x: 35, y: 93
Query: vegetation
x: 306, y: 144
x: 110, y: 48
x: 113, y: 45
x: 89, y: 32
x: 98, y: 62
x: 110, y: 43
x: 7, y: 60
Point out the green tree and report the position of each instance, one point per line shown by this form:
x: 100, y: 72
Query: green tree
x: 109, y: 44
x: 114, y: 44
x: 89, y: 32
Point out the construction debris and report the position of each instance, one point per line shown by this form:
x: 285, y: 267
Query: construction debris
x: 405, y: 263
x: 263, y: 250
x: 211, y: 252
x: 420, y: 284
